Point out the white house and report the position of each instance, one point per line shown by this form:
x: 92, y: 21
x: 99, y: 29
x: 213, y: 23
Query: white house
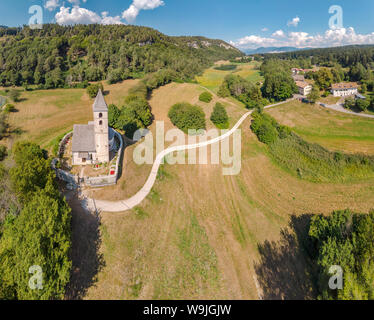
x: 93, y: 142
x: 304, y: 87
x: 344, y: 89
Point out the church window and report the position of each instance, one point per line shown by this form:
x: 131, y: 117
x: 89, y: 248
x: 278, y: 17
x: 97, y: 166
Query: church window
x: 100, y: 115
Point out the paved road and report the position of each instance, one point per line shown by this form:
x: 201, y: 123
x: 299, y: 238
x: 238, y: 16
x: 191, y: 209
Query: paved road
x: 128, y: 204
x: 339, y: 107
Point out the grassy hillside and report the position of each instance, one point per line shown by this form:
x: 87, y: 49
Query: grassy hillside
x: 213, y: 78
x: 43, y: 115
x: 333, y: 130
x: 197, y: 217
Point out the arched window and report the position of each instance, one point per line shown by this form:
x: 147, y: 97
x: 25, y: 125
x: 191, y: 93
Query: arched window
x: 100, y: 123
x: 100, y: 115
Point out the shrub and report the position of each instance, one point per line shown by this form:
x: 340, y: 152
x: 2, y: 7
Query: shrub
x: 93, y: 89
x: 9, y: 108
x: 219, y: 116
x: 3, y: 152
x: 226, y: 67
x: 187, y: 117
x: 14, y: 95
x: 206, y: 97
x: 267, y: 129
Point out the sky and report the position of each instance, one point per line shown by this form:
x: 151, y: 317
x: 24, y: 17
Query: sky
x: 246, y: 24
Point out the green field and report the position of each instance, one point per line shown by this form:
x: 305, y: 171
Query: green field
x: 213, y: 78
x: 333, y: 130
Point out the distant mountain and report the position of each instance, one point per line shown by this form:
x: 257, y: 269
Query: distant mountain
x: 272, y: 50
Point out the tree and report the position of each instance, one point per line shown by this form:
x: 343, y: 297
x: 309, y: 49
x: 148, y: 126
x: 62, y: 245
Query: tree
x: 345, y: 239
x: 206, y: 97
x: 219, y: 116
x: 324, y: 78
x: 362, y: 104
x: 32, y: 170
x: 3, y: 125
x: 3, y: 152
x: 223, y: 91
x: 93, y: 89
x: 187, y: 117
x: 313, y: 96
x: 349, y: 103
x: 14, y: 95
x: 113, y: 115
x: 39, y: 236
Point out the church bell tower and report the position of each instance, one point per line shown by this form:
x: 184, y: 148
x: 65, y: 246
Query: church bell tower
x: 100, y: 110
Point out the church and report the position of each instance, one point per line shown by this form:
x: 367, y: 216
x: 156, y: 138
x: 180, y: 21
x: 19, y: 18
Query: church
x: 93, y: 142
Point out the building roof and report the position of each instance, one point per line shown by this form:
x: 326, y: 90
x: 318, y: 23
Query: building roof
x: 100, y: 104
x: 298, y: 77
x: 344, y: 85
x: 302, y: 84
x: 360, y: 96
x: 83, y: 138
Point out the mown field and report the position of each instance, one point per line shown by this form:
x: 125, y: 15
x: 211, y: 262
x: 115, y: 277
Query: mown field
x: 43, y: 115
x: 333, y: 130
x: 199, y: 234
x: 213, y: 78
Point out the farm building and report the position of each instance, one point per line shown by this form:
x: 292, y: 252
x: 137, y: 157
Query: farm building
x: 304, y: 87
x: 344, y: 89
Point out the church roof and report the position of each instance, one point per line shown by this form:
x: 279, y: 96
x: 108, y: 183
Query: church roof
x: 100, y: 104
x: 83, y: 138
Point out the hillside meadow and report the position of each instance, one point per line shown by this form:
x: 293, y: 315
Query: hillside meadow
x: 43, y: 115
x: 212, y: 78
x: 333, y: 130
x: 198, y: 233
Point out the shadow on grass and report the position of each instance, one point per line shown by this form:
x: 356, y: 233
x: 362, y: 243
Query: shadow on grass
x: 86, y: 258
x: 285, y: 271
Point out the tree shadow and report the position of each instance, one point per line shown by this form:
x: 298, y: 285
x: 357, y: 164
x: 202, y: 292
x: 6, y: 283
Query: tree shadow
x: 285, y: 270
x: 87, y: 261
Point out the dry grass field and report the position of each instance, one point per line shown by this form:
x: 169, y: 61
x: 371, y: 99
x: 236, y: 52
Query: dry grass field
x: 333, y: 130
x: 43, y: 115
x: 199, y: 234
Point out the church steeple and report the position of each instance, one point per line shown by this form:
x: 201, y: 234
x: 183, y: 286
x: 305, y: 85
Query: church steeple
x: 100, y: 111
x: 100, y: 104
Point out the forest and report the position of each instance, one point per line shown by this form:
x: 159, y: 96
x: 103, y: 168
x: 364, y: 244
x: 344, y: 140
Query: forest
x: 62, y: 56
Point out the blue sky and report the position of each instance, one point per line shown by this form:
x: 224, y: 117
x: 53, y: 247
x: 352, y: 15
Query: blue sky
x: 244, y: 23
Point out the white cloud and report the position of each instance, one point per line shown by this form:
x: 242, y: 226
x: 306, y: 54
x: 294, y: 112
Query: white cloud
x: 294, y: 22
x: 51, y: 4
x: 264, y: 29
x: 137, y: 5
x: 278, y: 34
x: 331, y: 38
x: 78, y: 15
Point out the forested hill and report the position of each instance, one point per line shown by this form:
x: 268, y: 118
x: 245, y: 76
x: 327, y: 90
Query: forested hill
x: 57, y: 56
x: 345, y: 56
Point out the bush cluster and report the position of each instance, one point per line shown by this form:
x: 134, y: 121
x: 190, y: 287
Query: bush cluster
x: 187, y: 117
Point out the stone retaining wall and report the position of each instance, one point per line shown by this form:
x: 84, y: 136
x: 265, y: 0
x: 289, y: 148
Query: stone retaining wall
x: 101, y: 181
